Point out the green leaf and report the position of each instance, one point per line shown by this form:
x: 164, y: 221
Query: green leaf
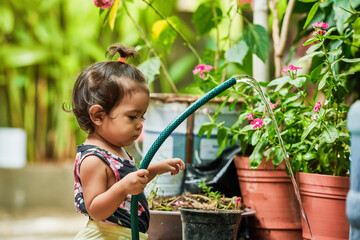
x: 222, y: 136
x: 222, y: 105
x: 298, y: 82
x: 292, y: 98
x: 311, y: 155
x: 257, y: 39
x: 356, y: 36
x: 246, y: 128
x: 316, y: 72
x: 279, y: 82
x: 258, y: 154
x: 311, y: 40
x: 350, y: 60
x: 306, y: 57
x: 308, y: 130
x: 312, y: 12
x: 203, y: 18
x: 163, y: 33
x: 150, y: 68
x: 314, y: 47
x: 278, y: 156
x: 308, y: 1
x: 237, y: 52
x: 330, y: 133
x: 323, y: 80
x: 206, y: 127
x: 256, y: 137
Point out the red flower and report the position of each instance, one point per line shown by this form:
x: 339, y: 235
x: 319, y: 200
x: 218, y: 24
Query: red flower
x: 250, y: 116
x: 292, y: 67
x: 317, y: 107
x: 258, y: 122
x: 320, y: 25
x: 103, y: 3
x: 201, y: 69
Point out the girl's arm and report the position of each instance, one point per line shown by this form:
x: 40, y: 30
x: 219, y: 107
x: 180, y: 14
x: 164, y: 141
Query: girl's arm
x: 172, y: 165
x: 101, y: 198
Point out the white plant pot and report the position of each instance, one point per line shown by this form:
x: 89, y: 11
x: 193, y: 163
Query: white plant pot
x: 12, y: 147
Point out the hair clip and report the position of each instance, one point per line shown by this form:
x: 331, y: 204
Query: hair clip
x: 122, y: 59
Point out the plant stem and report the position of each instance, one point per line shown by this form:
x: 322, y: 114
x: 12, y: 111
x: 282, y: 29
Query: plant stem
x: 174, y: 28
x: 213, y: 9
x: 143, y: 36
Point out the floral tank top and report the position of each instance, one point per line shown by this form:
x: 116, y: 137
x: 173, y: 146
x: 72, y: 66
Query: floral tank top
x: 121, y: 168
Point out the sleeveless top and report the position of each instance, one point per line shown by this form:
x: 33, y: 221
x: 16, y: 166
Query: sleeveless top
x: 120, y: 167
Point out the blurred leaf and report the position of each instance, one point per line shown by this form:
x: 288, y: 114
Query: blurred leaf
x: 314, y: 47
x: 163, y: 34
x: 308, y: 130
x: 112, y: 15
x: 6, y: 20
x: 330, y: 133
x: 237, y: 52
x: 257, y: 154
x: 203, y: 18
x: 312, y: 12
x: 150, y: 68
x: 257, y: 40
x: 278, y: 156
x: 20, y: 56
x: 356, y: 37
x: 279, y: 82
x: 316, y: 72
x: 256, y: 137
x: 298, y: 82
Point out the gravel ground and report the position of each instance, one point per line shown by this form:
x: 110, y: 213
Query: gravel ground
x: 40, y: 225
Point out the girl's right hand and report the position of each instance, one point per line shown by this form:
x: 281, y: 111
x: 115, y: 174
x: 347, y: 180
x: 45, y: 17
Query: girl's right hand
x: 135, y: 182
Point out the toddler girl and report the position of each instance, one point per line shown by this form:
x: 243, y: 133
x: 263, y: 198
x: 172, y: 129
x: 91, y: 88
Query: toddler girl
x: 109, y: 101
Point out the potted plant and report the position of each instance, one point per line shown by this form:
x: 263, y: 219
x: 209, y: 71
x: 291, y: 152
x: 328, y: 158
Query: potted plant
x: 311, y: 112
x: 200, y: 214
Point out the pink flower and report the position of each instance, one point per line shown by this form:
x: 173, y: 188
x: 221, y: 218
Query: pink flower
x: 285, y: 70
x: 103, y: 3
x: 320, y: 25
x: 319, y: 32
x: 237, y: 201
x: 178, y: 203
x: 315, y: 117
x: 272, y: 106
x: 317, y: 107
x: 258, y: 122
x: 250, y: 116
x: 292, y: 67
x: 201, y: 69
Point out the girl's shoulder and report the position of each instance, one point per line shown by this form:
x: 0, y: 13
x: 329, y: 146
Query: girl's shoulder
x: 88, y: 150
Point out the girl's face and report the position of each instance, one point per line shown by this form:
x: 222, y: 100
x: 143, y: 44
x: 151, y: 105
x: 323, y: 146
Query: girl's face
x: 124, y: 123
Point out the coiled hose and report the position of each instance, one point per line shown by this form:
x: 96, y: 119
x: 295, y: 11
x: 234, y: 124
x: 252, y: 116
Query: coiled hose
x: 163, y: 136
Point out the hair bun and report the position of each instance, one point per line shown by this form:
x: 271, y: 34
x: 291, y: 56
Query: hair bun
x: 123, y: 51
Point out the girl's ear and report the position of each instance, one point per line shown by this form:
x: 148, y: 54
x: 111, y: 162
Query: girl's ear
x: 96, y: 114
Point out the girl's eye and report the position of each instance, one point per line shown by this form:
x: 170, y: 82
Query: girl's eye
x: 142, y: 119
x: 132, y: 117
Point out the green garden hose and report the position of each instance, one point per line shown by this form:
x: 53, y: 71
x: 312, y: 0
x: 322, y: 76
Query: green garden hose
x: 164, y: 135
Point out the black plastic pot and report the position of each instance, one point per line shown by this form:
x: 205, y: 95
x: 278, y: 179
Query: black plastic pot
x: 201, y: 224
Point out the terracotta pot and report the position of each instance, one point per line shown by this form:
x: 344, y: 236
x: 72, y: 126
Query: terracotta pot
x: 324, y: 200
x: 270, y: 193
x: 164, y: 225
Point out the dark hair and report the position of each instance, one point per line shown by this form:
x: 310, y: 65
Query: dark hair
x: 105, y: 83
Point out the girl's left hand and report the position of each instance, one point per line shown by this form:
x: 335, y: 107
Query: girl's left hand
x: 175, y: 165
x: 172, y: 165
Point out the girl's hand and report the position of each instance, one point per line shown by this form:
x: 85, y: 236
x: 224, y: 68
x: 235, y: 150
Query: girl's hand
x: 135, y: 182
x: 172, y: 165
